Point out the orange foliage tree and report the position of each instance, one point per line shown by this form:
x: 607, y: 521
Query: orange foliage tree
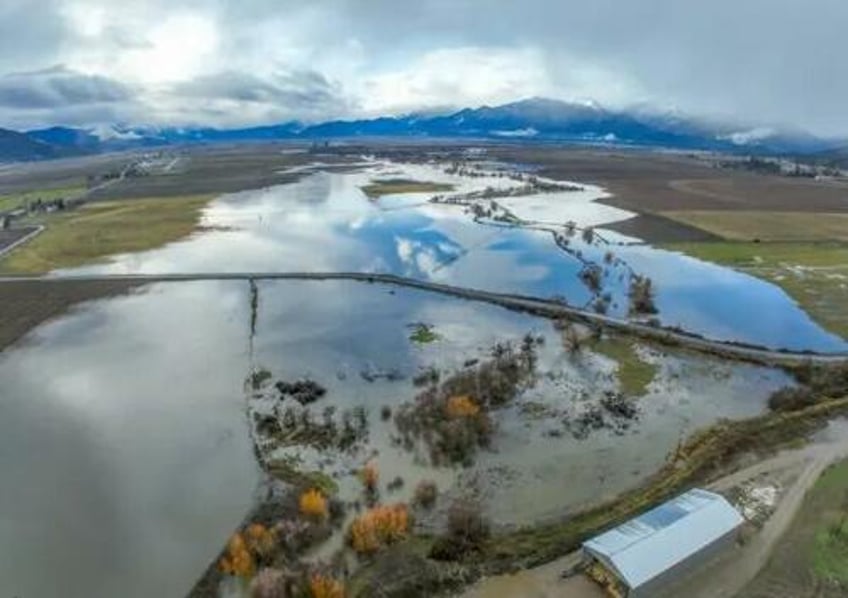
x: 260, y: 540
x: 378, y: 527
x: 237, y: 560
x: 461, y: 406
x: 370, y: 475
x: 322, y: 586
x: 313, y: 504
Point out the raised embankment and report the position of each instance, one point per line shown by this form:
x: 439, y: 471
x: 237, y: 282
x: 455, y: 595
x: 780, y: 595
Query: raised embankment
x: 548, y: 308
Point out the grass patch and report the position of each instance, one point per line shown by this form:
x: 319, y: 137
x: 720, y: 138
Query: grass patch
x: 767, y: 226
x: 424, y: 334
x: 830, y: 506
x: 379, y: 188
x: 97, y: 230
x: 813, y: 274
x: 12, y: 201
x: 812, y: 557
x: 634, y: 373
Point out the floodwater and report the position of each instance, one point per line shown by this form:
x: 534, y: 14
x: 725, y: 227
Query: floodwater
x: 124, y: 441
x: 325, y: 223
x: 123, y: 449
x: 124, y: 444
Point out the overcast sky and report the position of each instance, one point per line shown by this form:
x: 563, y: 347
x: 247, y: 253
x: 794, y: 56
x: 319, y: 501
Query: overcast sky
x: 228, y: 63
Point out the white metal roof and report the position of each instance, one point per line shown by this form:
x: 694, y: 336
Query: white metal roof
x: 655, y: 541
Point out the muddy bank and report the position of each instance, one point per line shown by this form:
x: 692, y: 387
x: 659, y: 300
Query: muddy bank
x: 26, y: 304
x: 653, y: 228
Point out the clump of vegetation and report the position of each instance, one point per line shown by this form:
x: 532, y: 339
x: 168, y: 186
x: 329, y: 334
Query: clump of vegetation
x: 304, y: 391
x: 237, y: 560
x: 427, y: 377
x: 423, y: 334
x: 791, y: 398
x: 592, y: 276
x: 452, y: 418
x: 269, y: 583
x: 324, y: 586
x: 588, y: 234
x: 293, y: 426
x: 378, y: 527
x: 461, y: 406
x: 245, y: 549
x: 466, y: 532
x: 426, y: 493
x: 641, y: 295
x: 259, y: 377
x: 817, y: 383
x: 370, y: 476
x: 314, y: 505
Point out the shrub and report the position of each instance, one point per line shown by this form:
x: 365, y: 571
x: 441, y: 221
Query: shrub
x: 370, y: 476
x: 260, y: 540
x: 268, y: 583
x: 642, y: 295
x: 461, y: 406
x: 467, y: 530
x: 791, y: 398
x: 426, y: 493
x: 313, y: 504
x: 323, y: 586
x: 237, y: 559
x: 377, y: 527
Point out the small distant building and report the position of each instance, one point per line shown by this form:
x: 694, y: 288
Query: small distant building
x: 637, y: 558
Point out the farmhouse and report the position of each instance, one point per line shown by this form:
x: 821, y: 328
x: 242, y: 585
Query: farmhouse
x: 639, y: 557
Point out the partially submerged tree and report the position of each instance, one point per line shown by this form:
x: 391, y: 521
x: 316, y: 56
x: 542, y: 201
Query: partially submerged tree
x: 642, y: 295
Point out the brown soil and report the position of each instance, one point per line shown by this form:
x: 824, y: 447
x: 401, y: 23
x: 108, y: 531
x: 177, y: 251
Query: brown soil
x: 647, y: 181
x: 659, y: 229
x: 26, y: 304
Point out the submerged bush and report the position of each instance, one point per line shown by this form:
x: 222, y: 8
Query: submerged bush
x: 642, y: 295
x: 313, y: 504
x: 461, y: 406
x: 467, y: 530
x: 237, y: 559
x: 426, y: 493
x: 791, y: 398
x: 378, y: 527
x: 323, y: 586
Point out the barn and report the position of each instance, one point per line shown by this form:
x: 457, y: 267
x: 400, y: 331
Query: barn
x: 637, y: 558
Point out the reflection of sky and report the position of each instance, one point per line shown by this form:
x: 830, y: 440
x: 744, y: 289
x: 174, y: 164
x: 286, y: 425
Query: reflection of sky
x: 325, y: 223
x: 123, y: 451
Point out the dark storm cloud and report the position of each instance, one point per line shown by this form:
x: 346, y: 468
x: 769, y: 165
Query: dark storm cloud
x: 298, y: 90
x: 58, y: 87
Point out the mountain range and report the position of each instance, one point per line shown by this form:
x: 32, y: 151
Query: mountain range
x: 532, y: 120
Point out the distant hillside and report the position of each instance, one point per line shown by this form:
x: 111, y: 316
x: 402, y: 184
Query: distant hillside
x: 16, y: 147
x: 536, y: 119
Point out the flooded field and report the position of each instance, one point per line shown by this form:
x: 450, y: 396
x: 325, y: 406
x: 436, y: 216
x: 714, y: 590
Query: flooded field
x: 326, y: 223
x: 134, y: 431
x: 133, y: 410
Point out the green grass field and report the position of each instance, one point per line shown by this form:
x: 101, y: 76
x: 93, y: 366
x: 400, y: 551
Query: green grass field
x: 377, y: 189
x: 15, y: 200
x: 97, y: 230
x: 741, y: 225
x: 812, y: 558
x: 813, y: 274
x: 634, y: 374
